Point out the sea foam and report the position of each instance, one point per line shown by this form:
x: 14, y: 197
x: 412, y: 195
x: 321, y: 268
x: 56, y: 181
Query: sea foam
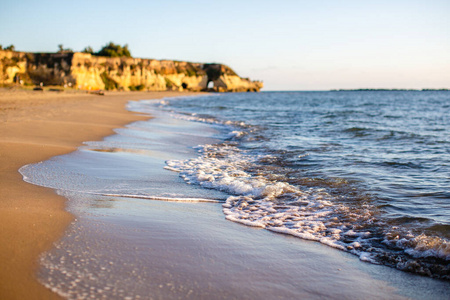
x: 260, y: 197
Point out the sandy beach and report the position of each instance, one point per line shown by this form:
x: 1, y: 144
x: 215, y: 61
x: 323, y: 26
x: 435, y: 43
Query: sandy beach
x: 36, y: 126
x: 161, y: 250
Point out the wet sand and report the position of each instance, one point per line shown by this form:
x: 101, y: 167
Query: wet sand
x: 35, y: 126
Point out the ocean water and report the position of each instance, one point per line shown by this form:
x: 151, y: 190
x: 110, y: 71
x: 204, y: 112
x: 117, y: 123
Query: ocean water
x: 367, y: 173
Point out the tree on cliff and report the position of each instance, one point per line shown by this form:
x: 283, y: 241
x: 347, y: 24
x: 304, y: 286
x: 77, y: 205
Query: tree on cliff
x: 113, y: 50
x: 88, y: 49
x: 10, y: 48
x: 62, y: 50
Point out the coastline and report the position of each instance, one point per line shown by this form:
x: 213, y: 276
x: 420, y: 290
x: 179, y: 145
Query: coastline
x: 34, y: 127
x: 168, y: 250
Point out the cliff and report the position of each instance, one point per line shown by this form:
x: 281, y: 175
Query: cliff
x: 88, y: 72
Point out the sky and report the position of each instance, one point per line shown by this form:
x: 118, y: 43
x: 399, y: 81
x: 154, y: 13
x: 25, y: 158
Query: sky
x: 289, y: 45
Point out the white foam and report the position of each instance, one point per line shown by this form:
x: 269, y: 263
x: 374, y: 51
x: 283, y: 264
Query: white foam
x: 171, y: 169
x: 255, y: 201
x: 366, y: 256
x: 236, y: 134
x: 148, y: 197
x: 312, y: 214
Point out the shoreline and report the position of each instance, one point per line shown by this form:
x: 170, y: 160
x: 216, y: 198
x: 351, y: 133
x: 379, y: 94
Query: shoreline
x: 36, y: 126
x: 180, y: 250
x: 121, y: 247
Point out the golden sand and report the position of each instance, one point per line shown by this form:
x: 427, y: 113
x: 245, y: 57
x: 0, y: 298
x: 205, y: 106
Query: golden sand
x: 35, y: 126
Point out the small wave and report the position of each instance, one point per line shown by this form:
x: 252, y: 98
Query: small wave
x: 444, y: 229
x: 439, y: 194
x: 288, y: 194
x: 408, y: 220
x: 358, y: 131
x: 236, y: 134
x: 266, y: 200
x: 402, y: 165
x: 355, y: 129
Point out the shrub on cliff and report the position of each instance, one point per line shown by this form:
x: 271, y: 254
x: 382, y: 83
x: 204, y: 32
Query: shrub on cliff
x: 9, y: 48
x: 61, y: 49
x: 133, y: 88
x: 110, y: 84
x: 113, y: 50
x: 88, y: 49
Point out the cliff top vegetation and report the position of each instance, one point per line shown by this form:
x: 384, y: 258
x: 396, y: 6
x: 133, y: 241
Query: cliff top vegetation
x: 110, y: 50
x: 9, y: 48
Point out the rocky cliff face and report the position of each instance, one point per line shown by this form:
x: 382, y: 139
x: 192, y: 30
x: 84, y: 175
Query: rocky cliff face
x: 88, y: 72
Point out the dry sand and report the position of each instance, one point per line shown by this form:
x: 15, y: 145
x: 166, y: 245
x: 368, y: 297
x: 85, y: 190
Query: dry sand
x: 35, y: 126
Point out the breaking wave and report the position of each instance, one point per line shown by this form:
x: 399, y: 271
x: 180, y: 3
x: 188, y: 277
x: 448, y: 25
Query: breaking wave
x: 265, y: 193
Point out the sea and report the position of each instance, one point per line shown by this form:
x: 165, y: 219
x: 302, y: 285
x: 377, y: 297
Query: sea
x: 363, y: 172
x: 366, y: 172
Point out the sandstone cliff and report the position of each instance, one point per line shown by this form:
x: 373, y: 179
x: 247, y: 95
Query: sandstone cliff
x: 88, y: 72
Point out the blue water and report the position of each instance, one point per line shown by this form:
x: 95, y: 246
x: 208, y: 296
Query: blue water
x: 364, y: 171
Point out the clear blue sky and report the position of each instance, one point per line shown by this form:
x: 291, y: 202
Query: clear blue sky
x: 290, y: 45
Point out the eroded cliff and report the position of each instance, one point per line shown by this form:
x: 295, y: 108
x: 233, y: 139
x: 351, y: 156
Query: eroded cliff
x: 88, y: 72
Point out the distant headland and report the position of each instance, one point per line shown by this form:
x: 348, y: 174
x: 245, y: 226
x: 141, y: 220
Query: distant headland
x: 113, y: 68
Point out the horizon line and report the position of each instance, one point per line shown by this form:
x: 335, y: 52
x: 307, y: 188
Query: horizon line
x: 364, y: 90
